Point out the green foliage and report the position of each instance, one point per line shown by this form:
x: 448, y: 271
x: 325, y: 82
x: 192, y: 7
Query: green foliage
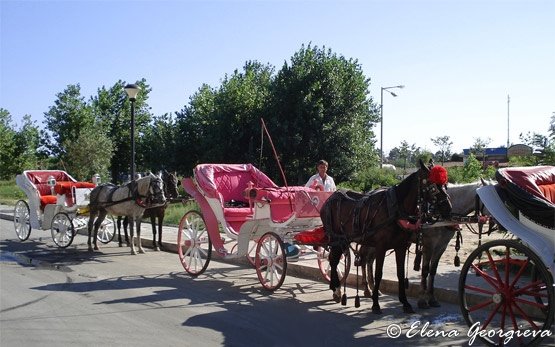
x: 18, y: 148
x: 444, y: 144
x: 7, y: 144
x: 10, y: 193
x: 89, y: 154
x: 65, y: 119
x: 472, y: 169
x: 370, y: 179
x: 112, y: 111
x: 525, y: 160
x: 320, y: 110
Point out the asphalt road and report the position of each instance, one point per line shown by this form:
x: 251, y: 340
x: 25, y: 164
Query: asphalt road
x: 53, y: 297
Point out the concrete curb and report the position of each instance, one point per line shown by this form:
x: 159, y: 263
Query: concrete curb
x: 301, y: 269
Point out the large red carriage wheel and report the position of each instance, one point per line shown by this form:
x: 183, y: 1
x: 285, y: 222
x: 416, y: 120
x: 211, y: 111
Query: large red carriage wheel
x: 325, y: 268
x: 22, y: 220
x: 270, y: 261
x: 62, y: 230
x: 505, y: 286
x: 193, y: 243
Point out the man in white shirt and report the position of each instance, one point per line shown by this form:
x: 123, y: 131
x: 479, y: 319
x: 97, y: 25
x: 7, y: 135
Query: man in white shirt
x: 322, y: 181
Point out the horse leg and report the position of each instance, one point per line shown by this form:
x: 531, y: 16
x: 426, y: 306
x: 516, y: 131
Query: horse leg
x: 92, y: 216
x: 132, y: 236
x: 400, y: 254
x: 139, y: 243
x: 97, y: 224
x: 433, y: 270
x: 125, y: 225
x: 380, y: 257
x: 367, y: 260
x: 118, y: 223
x: 335, y: 284
x: 160, y: 222
x: 153, y: 224
x: 423, y: 295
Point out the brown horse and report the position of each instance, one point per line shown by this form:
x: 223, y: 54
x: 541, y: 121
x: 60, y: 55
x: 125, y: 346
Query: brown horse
x: 434, y: 241
x: 155, y: 213
x: 384, y: 219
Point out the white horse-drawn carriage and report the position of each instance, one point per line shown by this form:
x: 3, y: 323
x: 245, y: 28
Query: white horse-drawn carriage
x: 58, y: 202
x: 506, y: 286
x: 244, y: 213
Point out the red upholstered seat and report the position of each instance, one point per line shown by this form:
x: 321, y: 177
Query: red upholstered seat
x: 64, y: 184
x: 537, y: 180
x: 314, y: 237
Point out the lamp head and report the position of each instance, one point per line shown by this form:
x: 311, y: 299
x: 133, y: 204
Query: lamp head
x: 132, y: 90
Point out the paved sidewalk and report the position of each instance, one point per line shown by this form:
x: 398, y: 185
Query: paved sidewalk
x: 446, y: 281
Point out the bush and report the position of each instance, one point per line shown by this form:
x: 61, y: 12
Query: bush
x: 370, y: 179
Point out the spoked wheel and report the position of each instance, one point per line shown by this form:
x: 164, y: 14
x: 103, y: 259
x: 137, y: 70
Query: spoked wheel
x: 62, y: 230
x: 270, y: 261
x: 324, y: 264
x: 107, y: 229
x: 193, y: 243
x: 504, y: 286
x: 21, y: 220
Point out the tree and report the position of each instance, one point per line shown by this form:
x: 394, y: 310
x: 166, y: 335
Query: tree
x: 66, y: 118
x: 112, y: 112
x: 320, y: 109
x: 7, y: 145
x: 89, y: 154
x: 27, y: 141
x: 444, y: 144
x: 223, y: 125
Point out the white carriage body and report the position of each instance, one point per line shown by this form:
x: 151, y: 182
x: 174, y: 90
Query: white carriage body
x: 539, y: 238
x: 263, y: 206
x: 46, y: 198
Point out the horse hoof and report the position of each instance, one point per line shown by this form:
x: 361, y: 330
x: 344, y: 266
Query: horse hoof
x: 423, y: 304
x: 408, y: 309
x: 336, y: 298
x: 156, y: 249
x: 367, y: 294
x: 133, y: 252
x: 434, y: 303
x: 376, y: 310
x: 142, y: 251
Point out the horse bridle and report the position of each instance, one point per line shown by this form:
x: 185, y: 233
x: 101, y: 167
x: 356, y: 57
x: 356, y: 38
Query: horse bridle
x: 428, y: 200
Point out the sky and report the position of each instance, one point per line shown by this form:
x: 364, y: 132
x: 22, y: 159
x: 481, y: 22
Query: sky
x: 460, y: 61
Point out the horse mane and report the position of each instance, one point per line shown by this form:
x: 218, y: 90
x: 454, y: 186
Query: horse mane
x: 403, y: 189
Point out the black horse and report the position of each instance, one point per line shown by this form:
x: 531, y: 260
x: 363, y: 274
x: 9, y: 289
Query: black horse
x: 384, y: 219
x: 156, y: 213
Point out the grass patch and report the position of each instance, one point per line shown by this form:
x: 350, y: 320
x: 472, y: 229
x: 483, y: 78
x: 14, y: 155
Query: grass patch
x: 10, y: 193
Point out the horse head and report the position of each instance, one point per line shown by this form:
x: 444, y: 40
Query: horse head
x: 434, y: 202
x: 152, y: 187
x: 170, y: 184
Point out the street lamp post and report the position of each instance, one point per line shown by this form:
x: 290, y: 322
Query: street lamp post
x: 381, y: 117
x: 132, y: 90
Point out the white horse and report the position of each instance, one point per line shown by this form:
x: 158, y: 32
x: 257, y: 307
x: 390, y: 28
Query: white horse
x: 129, y: 200
x: 434, y: 243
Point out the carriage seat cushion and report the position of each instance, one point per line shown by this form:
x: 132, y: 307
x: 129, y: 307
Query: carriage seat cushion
x: 40, y: 179
x: 538, y: 180
x: 66, y: 187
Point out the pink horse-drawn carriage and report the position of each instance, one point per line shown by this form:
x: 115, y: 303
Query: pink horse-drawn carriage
x: 244, y: 213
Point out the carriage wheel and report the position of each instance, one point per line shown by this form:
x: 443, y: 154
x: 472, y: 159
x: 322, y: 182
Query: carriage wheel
x: 505, y: 286
x: 194, y: 244
x: 107, y: 230
x: 62, y: 230
x: 325, y: 268
x: 21, y: 220
x: 270, y: 261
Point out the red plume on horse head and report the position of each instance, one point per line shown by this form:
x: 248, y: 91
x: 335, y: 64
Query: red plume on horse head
x: 438, y: 175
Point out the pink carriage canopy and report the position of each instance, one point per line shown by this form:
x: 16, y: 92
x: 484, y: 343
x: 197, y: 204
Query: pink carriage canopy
x: 214, y: 178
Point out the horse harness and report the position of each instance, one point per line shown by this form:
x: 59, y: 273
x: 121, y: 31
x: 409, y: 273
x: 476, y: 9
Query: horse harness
x: 133, y: 195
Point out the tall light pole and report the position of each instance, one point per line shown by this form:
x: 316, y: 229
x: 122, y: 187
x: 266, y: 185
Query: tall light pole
x: 381, y: 117
x: 132, y: 90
